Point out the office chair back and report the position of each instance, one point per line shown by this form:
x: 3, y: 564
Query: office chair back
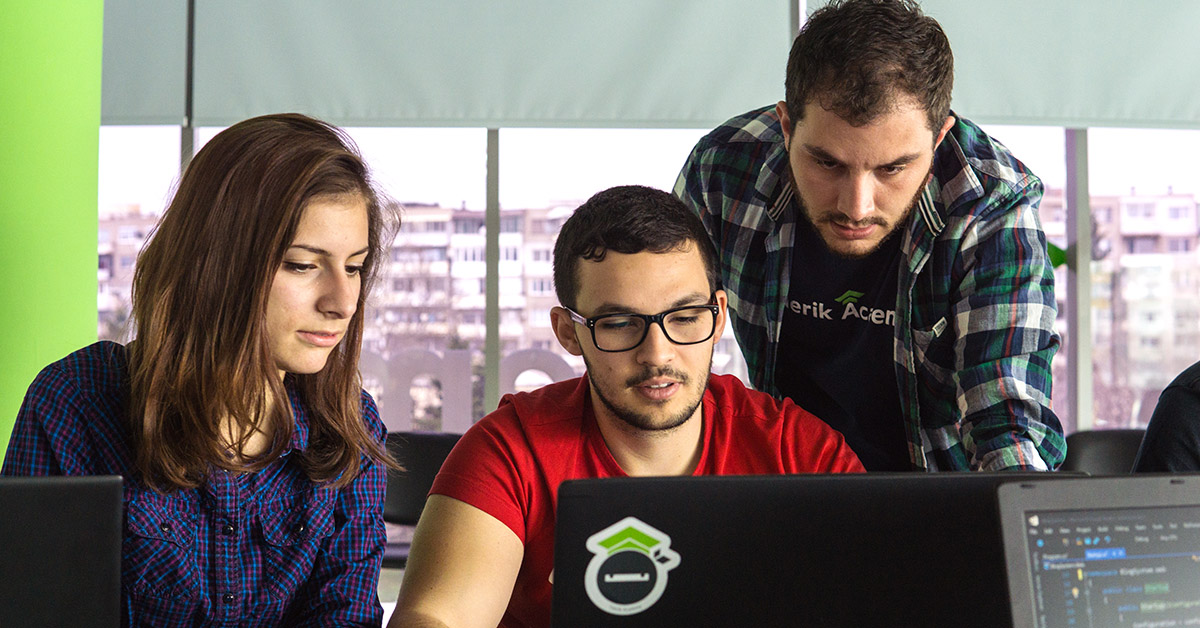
x: 1103, y: 452
x: 421, y: 454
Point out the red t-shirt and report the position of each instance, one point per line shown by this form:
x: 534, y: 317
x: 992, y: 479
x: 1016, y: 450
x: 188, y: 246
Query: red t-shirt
x: 510, y: 463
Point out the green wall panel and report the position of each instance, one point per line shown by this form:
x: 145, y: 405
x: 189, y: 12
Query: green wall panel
x: 50, y: 54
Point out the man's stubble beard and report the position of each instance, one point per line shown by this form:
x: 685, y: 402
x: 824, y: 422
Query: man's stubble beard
x: 806, y: 216
x: 642, y: 422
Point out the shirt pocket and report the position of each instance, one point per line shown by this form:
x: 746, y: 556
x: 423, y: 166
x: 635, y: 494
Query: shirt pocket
x: 933, y: 350
x: 937, y: 379
x: 159, y: 555
x: 294, y: 531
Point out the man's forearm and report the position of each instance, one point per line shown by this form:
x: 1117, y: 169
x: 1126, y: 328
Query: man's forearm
x: 408, y: 619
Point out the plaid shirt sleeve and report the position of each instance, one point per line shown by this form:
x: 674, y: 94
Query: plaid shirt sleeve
x: 68, y: 421
x: 30, y: 451
x: 731, y: 180
x: 982, y: 316
x: 1005, y: 319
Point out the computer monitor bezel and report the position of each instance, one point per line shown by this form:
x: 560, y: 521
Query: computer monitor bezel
x: 1016, y: 500
x: 81, y: 535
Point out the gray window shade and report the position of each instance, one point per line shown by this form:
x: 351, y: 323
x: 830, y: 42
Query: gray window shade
x: 503, y: 63
x: 1075, y: 63
x: 656, y: 63
x: 145, y: 47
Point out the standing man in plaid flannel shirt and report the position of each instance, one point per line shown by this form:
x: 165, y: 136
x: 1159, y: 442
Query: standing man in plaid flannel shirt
x: 882, y: 255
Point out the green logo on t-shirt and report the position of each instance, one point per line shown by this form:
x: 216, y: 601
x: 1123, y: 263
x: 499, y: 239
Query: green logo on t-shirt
x: 849, y: 299
x: 850, y: 296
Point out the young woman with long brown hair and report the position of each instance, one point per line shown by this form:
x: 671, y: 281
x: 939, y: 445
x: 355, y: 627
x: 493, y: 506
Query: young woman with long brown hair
x: 254, y: 463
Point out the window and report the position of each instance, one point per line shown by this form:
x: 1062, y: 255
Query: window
x: 130, y: 235
x: 541, y: 225
x: 542, y: 255
x: 512, y: 317
x: 138, y: 166
x: 541, y: 286
x: 423, y: 226
x: 468, y: 225
x: 472, y: 254
x: 404, y: 255
x: 540, y: 318
x: 510, y: 224
x: 509, y: 253
x: 1141, y: 244
x: 1139, y: 210
x: 467, y: 287
x: 1141, y: 169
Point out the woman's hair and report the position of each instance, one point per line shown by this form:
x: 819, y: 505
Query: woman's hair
x: 201, y: 360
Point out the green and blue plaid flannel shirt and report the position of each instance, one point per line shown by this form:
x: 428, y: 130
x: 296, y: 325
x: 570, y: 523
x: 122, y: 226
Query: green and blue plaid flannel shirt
x: 975, y: 306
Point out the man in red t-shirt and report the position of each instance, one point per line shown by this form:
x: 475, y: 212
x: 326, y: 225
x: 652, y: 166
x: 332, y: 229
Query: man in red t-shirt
x: 637, y: 277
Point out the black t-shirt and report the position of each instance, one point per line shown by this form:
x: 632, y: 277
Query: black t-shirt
x: 836, y: 346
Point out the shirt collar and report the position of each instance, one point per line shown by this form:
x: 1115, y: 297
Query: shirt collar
x: 774, y: 178
x: 954, y: 180
x: 299, y: 416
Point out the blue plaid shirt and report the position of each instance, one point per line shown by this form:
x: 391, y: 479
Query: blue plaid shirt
x: 975, y: 304
x: 262, y: 549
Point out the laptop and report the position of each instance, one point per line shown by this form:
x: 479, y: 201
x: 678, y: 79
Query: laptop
x: 855, y: 550
x: 60, y: 551
x: 1103, y: 552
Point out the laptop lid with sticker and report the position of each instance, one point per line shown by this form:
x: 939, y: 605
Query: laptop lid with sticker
x: 822, y: 550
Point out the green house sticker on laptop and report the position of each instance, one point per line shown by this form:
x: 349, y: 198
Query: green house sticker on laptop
x: 628, y: 573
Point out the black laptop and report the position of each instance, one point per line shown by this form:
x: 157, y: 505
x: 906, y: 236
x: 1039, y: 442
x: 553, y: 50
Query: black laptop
x: 802, y: 550
x: 1104, y: 552
x: 60, y: 551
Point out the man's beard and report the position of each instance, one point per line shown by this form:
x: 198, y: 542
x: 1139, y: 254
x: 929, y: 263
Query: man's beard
x: 806, y: 215
x: 643, y: 422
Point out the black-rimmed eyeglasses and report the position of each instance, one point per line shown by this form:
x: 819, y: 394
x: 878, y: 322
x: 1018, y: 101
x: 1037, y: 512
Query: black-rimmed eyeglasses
x: 687, y: 325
